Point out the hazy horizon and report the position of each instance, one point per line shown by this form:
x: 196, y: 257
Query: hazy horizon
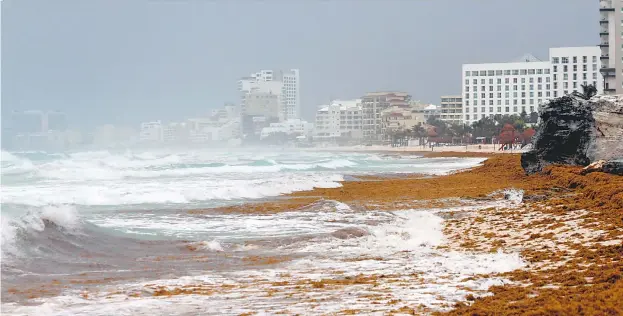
x: 126, y: 62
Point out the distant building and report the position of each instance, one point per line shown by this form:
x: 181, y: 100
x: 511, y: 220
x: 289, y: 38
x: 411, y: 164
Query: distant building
x: 290, y: 127
x: 611, y: 54
x: 451, y: 109
x: 289, y: 89
x: 175, y: 132
x: 400, y: 119
x: 341, y: 118
x: 525, y: 84
x: 373, y: 104
x: 151, y: 132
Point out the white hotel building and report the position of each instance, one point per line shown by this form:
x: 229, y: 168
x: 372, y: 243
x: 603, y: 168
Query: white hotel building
x: 521, y: 86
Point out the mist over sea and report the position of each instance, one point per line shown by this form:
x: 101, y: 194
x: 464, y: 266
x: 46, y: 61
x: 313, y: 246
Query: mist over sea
x: 117, y: 215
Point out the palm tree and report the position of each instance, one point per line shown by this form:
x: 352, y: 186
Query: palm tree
x: 588, y: 91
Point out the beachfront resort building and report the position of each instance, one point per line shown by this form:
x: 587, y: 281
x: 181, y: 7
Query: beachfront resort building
x: 289, y: 127
x: 341, y: 118
x: 373, y: 104
x: 611, y: 45
x: 401, y: 119
x: 522, y: 85
x: 451, y: 109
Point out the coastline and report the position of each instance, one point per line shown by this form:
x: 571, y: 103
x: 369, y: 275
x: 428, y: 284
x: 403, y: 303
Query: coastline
x: 566, y: 226
x: 551, y: 240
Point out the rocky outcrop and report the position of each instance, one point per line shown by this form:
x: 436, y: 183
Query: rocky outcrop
x: 574, y: 131
x: 608, y: 114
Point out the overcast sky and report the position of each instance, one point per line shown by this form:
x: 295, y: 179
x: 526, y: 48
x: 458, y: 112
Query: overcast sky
x: 120, y: 61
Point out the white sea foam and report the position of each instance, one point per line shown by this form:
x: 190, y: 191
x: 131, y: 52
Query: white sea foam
x: 406, y: 244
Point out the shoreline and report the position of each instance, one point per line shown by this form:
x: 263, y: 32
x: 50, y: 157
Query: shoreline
x: 566, y: 228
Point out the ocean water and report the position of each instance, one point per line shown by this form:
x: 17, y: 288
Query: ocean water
x: 110, y: 224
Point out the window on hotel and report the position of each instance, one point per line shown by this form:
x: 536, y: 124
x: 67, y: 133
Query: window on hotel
x: 539, y: 71
x: 514, y: 94
x: 575, y: 67
x: 565, y: 60
x: 474, y: 73
x: 507, y: 72
x: 565, y: 85
x: 506, y: 88
x: 523, y: 94
x: 499, y: 103
x: 467, y: 117
x: 490, y: 81
x: 491, y: 103
x: 514, y: 109
x: 506, y: 95
x: 594, y: 75
x: 506, y: 102
x: 555, y: 77
x: 547, y: 94
x: 514, y: 87
x: 490, y: 95
x: 515, y: 72
x: 483, y: 73
x: 482, y: 102
x: 565, y: 68
x: 575, y: 76
x: 584, y: 67
x: 555, y: 68
x: 540, y: 94
x: 515, y: 103
x: 475, y: 109
x: 490, y: 88
x: 482, y: 81
x: 555, y: 94
x: 539, y: 86
x: 499, y: 94
x: 467, y: 74
x: 507, y: 109
x: 595, y: 57
x: 499, y: 88
x: 575, y: 85
x: 555, y: 60
x: 475, y: 95
x: 547, y: 71
x: 575, y: 59
x: 531, y: 94
x: 483, y: 109
x: 483, y: 95
x: 483, y: 88
x: 523, y: 71
x: 584, y: 59
x: 531, y: 71
x: 498, y: 72
x: 584, y: 77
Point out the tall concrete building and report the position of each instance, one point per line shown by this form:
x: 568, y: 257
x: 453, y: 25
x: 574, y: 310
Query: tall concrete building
x: 341, y: 118
x: 373, y: 104
x: 611, y: 45
x: 289, y: 85
x: 525, y: 84
x: 451, y: 109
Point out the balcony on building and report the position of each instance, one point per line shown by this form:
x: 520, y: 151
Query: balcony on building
x: 604, y: 57
x: 604, y: 44
x: 606, y: 5
x: 607, y: 71
x: 603, y: 20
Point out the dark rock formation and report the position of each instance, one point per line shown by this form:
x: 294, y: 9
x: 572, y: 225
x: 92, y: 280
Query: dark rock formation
x: 563, y: 137
x: 574, y: 131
